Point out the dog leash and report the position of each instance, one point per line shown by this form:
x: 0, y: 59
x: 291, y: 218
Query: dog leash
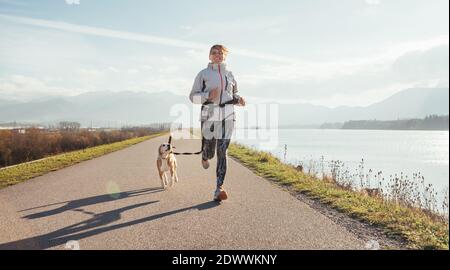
x: 186, y: 153
x: 233, y: 102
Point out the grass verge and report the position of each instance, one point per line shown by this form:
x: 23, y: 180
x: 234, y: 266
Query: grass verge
x: 419, y: 230
x: 15, y: 174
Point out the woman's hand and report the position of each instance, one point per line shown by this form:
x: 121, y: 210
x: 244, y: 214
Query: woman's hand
x: 241, y: 101
x: 213, y: 94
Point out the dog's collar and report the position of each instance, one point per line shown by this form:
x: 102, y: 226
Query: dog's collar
x: 167, y: 155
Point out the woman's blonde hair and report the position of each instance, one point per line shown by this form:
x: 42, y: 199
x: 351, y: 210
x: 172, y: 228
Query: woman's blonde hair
x: 219, y: 47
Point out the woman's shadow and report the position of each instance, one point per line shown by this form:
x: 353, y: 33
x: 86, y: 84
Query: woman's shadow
x: 76, y: 204
x: 94, y: 225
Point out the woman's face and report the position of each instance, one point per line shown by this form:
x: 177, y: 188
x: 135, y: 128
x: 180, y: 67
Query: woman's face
x: 216, y: 56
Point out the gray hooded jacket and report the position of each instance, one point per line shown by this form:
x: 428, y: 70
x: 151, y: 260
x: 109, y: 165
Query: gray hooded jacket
x: 221, y: 108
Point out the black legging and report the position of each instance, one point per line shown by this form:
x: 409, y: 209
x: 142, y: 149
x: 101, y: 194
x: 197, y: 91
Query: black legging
x: 221, y: 132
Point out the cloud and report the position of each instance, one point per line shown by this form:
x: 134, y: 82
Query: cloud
x: 240, y: 26
x: 13, y: 2
x: 113, y: 69
x: 25, y: 88
x: 373, y: 2
x: 72, y: 2
x: 92, y: 72
x: 298, y: 64
x: 40, y: 51
x: 308, y: 71
x: 365, y: 82
x: 133, y: 71
x: 431, y: 63
x: 82, y: 65
x: 103, y: 32
x: 90, y: 67
x: 166, y: 73
x: 186, y: 27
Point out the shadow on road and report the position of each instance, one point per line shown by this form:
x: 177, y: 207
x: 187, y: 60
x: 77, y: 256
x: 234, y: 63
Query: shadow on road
x: 74, y: 205
x: 93, y: 226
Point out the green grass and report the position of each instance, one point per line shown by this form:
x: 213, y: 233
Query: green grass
x: 414, y: 226
x: 22, y: 172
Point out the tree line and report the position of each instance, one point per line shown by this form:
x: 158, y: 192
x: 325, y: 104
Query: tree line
x: 431, y: 122
x: 23, y: 145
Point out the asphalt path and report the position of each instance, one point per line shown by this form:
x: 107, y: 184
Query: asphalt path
x: 116, y: 202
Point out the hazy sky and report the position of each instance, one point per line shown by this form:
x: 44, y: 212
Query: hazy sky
x: 345, y: 52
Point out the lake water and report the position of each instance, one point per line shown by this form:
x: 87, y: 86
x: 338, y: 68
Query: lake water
x: 389, y: 151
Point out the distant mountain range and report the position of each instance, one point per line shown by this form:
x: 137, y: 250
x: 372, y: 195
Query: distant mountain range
x: 410, y: 103
x: 97, y: 108
x: 137, y: 108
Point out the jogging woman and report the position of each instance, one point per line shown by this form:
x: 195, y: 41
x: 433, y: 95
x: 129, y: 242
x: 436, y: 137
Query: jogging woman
x: 216, y: 89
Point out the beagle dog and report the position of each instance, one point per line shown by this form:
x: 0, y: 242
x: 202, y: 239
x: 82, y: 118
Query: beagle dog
x: 166, y: 162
